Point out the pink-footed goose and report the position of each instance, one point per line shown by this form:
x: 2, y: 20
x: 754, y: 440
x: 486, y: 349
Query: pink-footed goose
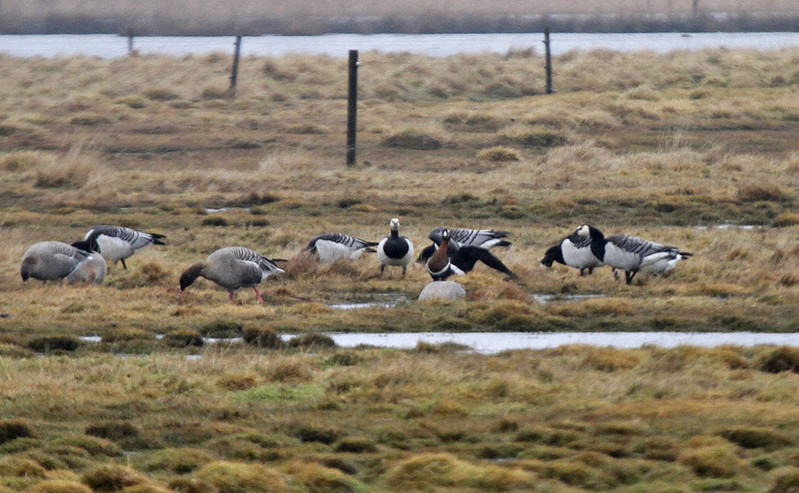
x: 54, y: 261
x: 232, y: 268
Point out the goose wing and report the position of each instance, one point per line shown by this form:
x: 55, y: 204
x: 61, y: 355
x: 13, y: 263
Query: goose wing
x: 485, y: 238
x: 347, y: 241
x: 252, y: 263
x: 136, y: 239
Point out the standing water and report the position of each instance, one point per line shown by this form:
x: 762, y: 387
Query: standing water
x: 439, y: 45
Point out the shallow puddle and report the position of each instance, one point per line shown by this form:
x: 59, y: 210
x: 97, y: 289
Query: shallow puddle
x: 494, y: 342
x: 382, y: 300
x: 552, y: 298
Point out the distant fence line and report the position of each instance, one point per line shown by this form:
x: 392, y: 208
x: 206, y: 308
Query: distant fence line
x: 430, y: 23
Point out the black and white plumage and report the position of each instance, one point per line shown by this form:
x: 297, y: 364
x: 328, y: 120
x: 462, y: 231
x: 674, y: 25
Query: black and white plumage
x: 439, y: 265
x: 232, y: 268
x: 632, y: 254
x: 462, y: 258
x: 116, y: 243
x: 574, y: 251
x: 336, y: 246
x: 54, y: 260
x: 395, y: 250
x: 485, y: 238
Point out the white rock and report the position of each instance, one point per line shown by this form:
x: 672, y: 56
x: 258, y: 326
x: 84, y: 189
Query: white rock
x: 442, y: 290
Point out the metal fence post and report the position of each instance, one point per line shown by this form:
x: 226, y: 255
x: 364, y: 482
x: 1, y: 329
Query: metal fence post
x: 548, y: 60
x: 352, y: 107
x: 234, y: 72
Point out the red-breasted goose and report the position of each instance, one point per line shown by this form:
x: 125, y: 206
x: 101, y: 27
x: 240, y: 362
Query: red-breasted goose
x: 232, y: 268
x: 486, y: 238
x: 439, y: 265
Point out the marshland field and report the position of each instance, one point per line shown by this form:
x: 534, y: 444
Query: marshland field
x: 698, y: 150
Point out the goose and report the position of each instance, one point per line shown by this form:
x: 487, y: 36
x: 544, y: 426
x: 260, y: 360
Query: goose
x: 461, y: 258
x: 574, y: 251
x: 335, y: 246
x: 394, y: 249
x: 486, y: 238
x: 632, y: 254
x: 439, y: 264
x: 54, y: 260
x: 232, y: 268
x: 116, y: 243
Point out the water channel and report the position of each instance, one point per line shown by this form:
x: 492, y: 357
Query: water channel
x: 439, y: 45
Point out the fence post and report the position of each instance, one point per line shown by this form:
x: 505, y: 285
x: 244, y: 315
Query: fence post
x: 548, y: 56
x: 352, y: 107
x: 234, y: 72
x: 130, y: 41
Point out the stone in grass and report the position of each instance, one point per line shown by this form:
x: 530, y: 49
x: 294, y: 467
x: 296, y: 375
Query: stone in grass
x: 442, y: 290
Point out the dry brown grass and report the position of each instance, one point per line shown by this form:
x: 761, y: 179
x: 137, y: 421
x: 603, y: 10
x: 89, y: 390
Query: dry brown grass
x: 634, y: 143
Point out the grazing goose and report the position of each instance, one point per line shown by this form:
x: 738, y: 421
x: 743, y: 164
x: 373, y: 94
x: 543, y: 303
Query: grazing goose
x: 574, y: 251
x: 117, y: 243
x: 53, y: 260
x: 632, y: 254
x: 486, y: 238
x: 232, y: 268
x: 335, y: 246
x: 461, y: 258
x: 394, y: 249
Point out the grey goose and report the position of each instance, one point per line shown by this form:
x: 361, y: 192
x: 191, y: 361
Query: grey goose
x: 232, y: 268
x: 54, y: 261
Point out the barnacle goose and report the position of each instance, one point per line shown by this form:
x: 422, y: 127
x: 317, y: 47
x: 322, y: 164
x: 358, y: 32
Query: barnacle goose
x: 335, y: 246
x: 116, y: 243
x: 54, y: 260
x: 232, y: 268
x: 574, y: 251
x: 632, y: 254
x: 461, y: 258
x: 394, y: 249
x: 486, y: 238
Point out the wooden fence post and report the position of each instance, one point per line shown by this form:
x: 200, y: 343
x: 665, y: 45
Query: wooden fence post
x: 234, y: 72
x: 548, y: 60
x: 130, y: 41
x: 352, y: 107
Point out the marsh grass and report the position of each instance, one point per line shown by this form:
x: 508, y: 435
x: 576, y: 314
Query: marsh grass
x: 681, y: 150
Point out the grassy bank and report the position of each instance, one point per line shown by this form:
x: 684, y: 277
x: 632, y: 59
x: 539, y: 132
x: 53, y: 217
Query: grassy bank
x: 692, y: 149
x: 431, y: 419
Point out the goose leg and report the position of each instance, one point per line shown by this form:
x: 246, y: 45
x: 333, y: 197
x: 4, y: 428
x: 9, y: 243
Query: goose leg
x: 258, y: 294
x: 628, y: 276
x: 231, y: 295
x: 123, y: 264
x: 382, y: 268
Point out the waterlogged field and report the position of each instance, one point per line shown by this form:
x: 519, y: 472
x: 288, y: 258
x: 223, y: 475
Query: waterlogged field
x: 698, y: 150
